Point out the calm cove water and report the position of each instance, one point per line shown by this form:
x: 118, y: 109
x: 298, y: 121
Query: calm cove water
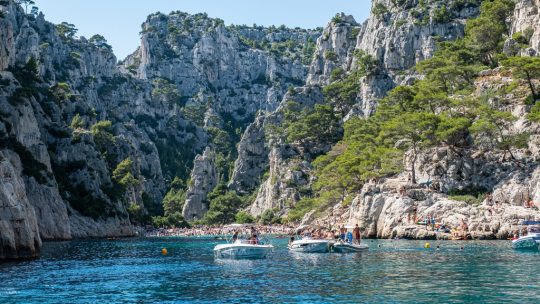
x: 133, y: 270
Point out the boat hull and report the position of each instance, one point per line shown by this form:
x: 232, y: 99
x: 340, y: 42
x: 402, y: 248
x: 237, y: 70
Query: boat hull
x: 349, y: 248
x: 242, y: 251
x: 311, y: 246
x: 526, y: 243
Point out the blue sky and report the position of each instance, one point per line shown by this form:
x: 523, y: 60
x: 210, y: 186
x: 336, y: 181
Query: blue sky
x: 120, y: 20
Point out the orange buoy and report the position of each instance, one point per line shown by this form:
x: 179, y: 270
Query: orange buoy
x: 164, y: 251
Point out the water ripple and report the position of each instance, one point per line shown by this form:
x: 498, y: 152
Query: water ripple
x: 134, y: 271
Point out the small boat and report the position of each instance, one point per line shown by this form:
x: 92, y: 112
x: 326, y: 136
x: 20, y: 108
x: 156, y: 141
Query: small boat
x: 345, y: 247
x: 531, y: 240
x: 309, y: 245
x: 248, y: 246
x: 242, y: 249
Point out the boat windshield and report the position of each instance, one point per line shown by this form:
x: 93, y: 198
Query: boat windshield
x: 533, y: 229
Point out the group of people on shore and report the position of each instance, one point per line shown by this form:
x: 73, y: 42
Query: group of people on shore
x: 341, y: 233
x: 205, y: 231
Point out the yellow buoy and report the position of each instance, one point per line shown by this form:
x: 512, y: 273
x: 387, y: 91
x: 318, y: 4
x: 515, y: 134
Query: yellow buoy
x: 427, y: 245
x: 164, y: 251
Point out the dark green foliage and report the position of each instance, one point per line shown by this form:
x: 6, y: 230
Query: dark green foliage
x: 176, y: 158
x: 165, y: 91
x: 442, y: 15
x: 60, y: 92
x: 485, y: 34
x: 472, y: 196
x: 28, y: 77
x: 175, y: 220
x: 66, y: 30
x: 103, y: 137
x: 80, y: 198
x: 269, y: 217
x: 320, y: 125
x: 100, y: 42
x: 528, y: 69
x: 223, y: 208
x: 243, y: 217
x: 330, y: 55
x: 195, y: 113
x: 175, y: 198
x: 379, y: 10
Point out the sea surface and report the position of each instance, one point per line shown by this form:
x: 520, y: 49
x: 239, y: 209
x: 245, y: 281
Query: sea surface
x: 399, y: 271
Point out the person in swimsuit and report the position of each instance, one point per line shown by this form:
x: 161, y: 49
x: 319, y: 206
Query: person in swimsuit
x: 342, y: 232
x: 357, y: 237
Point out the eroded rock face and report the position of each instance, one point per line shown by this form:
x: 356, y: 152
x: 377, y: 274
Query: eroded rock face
x: 231, y: 65
x: 527, y: 18
x: 204, y: 178
x: 19, y: 231
x: 252, y: 158
x: 383, y: 211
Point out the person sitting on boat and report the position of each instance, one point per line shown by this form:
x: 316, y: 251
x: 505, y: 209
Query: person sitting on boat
x: 307, y: 234
x: 330, y: 235
x: 357, y: 236
x: 291, y: 240
x: 253, y: 240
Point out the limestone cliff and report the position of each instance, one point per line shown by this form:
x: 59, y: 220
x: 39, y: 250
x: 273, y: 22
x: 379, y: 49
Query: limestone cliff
x: 203, y: 180
x: 203, y: 101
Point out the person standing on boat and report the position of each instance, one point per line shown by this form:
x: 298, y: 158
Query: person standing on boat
x: 342, y: 232
x: 235, y: 236
x: 357, y: 237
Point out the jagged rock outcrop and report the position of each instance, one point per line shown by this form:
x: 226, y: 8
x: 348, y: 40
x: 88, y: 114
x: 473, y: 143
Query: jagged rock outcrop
x: 19, y: 232
x: 204, y: 178
x: 288, y: 173
x: 386, y: 211
x: 241, y: 69
x: 252, y: 158
x: 334, y: 49
x: 527, y: 19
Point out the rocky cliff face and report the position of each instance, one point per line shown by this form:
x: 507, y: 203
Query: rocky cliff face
x: 397, y: 36
x: 204, y: 179
x: 72, y: 114
x: 526, y: 20
x: 193, y: 90
x: 19, y: 233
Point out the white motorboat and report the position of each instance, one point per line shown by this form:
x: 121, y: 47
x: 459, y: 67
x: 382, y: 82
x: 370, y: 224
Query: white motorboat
x: 309, y: 245
x: 242, y: 249
x: 531, y: 240
x: 345, y: 247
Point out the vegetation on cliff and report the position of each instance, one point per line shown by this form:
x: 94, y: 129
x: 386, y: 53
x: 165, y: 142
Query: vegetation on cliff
x: 440, y: 109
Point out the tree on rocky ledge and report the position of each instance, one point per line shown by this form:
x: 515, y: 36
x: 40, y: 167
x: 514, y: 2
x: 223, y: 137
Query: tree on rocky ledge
x: 99, y: 41
x: 66, y: 30
x: 528, y: 69
x: 123, y: 175
x: 411, y: 132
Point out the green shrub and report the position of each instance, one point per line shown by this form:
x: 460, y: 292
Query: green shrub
x: 330, y: 55
x: 379, y: 9
x: 243, y: 217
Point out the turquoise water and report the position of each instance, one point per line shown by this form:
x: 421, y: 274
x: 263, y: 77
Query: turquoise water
x: 133, y: 270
